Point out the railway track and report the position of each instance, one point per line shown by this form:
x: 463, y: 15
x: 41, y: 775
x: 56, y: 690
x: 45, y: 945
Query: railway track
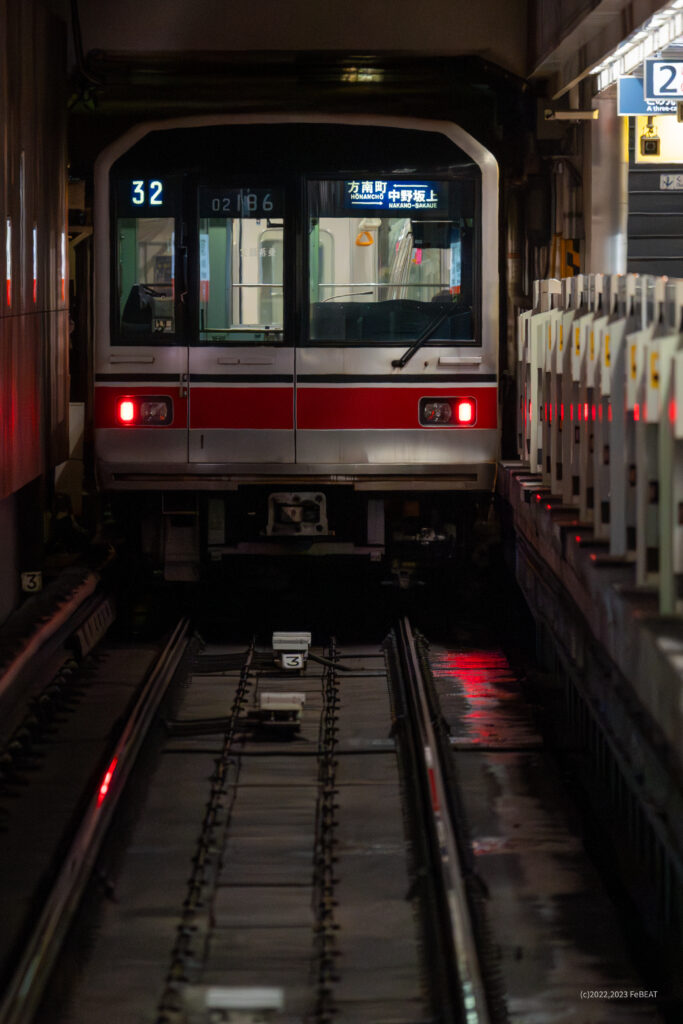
x: 56, y: 831
x: 326, y: 862
x: 319, y: 879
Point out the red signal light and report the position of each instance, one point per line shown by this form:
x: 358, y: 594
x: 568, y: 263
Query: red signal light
x: 126, y: 410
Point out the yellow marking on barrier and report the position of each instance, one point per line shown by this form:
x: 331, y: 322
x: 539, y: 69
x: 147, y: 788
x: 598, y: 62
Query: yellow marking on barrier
x: 577, y: 343
x: 550, y: 336
x: 607, y: 352
x: 561, y: 335
x: 634, y: 367
x: 654, y: 371
x: 592, y: 348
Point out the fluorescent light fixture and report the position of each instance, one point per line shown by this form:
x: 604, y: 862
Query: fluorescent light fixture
x: 659, y: 31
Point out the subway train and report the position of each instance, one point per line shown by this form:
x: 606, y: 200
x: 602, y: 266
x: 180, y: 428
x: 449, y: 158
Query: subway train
x: 296, y: 335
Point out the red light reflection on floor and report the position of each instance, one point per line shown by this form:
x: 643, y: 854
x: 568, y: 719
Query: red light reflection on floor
x: 488, y: 685
x: 106, y: 782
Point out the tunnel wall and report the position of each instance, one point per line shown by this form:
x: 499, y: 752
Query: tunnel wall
x: 33, y: 299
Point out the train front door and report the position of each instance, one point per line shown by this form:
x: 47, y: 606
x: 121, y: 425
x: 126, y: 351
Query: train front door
x: 241, y: 369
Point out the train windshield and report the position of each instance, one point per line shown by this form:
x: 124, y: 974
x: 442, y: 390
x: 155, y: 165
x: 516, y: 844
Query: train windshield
x: 241, y: 240
x: 390, y: 259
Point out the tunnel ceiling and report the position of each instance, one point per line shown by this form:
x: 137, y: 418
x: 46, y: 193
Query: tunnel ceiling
x: 110, y: 92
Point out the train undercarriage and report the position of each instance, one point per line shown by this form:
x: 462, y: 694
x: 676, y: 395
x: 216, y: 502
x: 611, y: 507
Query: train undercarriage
x: 188, y: 536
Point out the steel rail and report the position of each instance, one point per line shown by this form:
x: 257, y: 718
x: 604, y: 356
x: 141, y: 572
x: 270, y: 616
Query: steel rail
x: 25, y: 989
x: 475, y: 1007
x: 324, y: 900
x: 46, y: 631
x: 188, y: 934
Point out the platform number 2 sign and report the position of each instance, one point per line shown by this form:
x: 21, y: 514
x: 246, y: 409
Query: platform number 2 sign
x: 664, y: 79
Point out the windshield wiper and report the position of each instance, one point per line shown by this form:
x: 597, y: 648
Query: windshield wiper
x: 428, y: 332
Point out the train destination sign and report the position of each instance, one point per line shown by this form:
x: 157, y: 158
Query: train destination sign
x: 392, y: 195
x: 664, y: 79
x: 632, y: 102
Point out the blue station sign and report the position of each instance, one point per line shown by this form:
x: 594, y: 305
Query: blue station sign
x: 632, y: 101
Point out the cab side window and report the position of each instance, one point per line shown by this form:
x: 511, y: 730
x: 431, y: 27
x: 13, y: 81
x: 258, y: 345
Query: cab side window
x: 146, y: 293
x: 147, y: 275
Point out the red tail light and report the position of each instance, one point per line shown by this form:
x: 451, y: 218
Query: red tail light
x: 464, y: 411
x: 125, y: 410
x: 448, y: 412
x: 144, y: 411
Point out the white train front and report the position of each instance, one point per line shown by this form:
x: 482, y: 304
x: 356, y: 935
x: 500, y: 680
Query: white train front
x: 296, y: 324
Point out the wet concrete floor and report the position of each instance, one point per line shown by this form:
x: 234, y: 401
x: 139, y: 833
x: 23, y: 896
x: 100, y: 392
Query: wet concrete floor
x: 557, y: 934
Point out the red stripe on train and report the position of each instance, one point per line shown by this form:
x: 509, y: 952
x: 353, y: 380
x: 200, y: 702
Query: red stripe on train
x: 318, y: 408
x: 211, y: 408
x: 249, y: 408
x: 354, y: 408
